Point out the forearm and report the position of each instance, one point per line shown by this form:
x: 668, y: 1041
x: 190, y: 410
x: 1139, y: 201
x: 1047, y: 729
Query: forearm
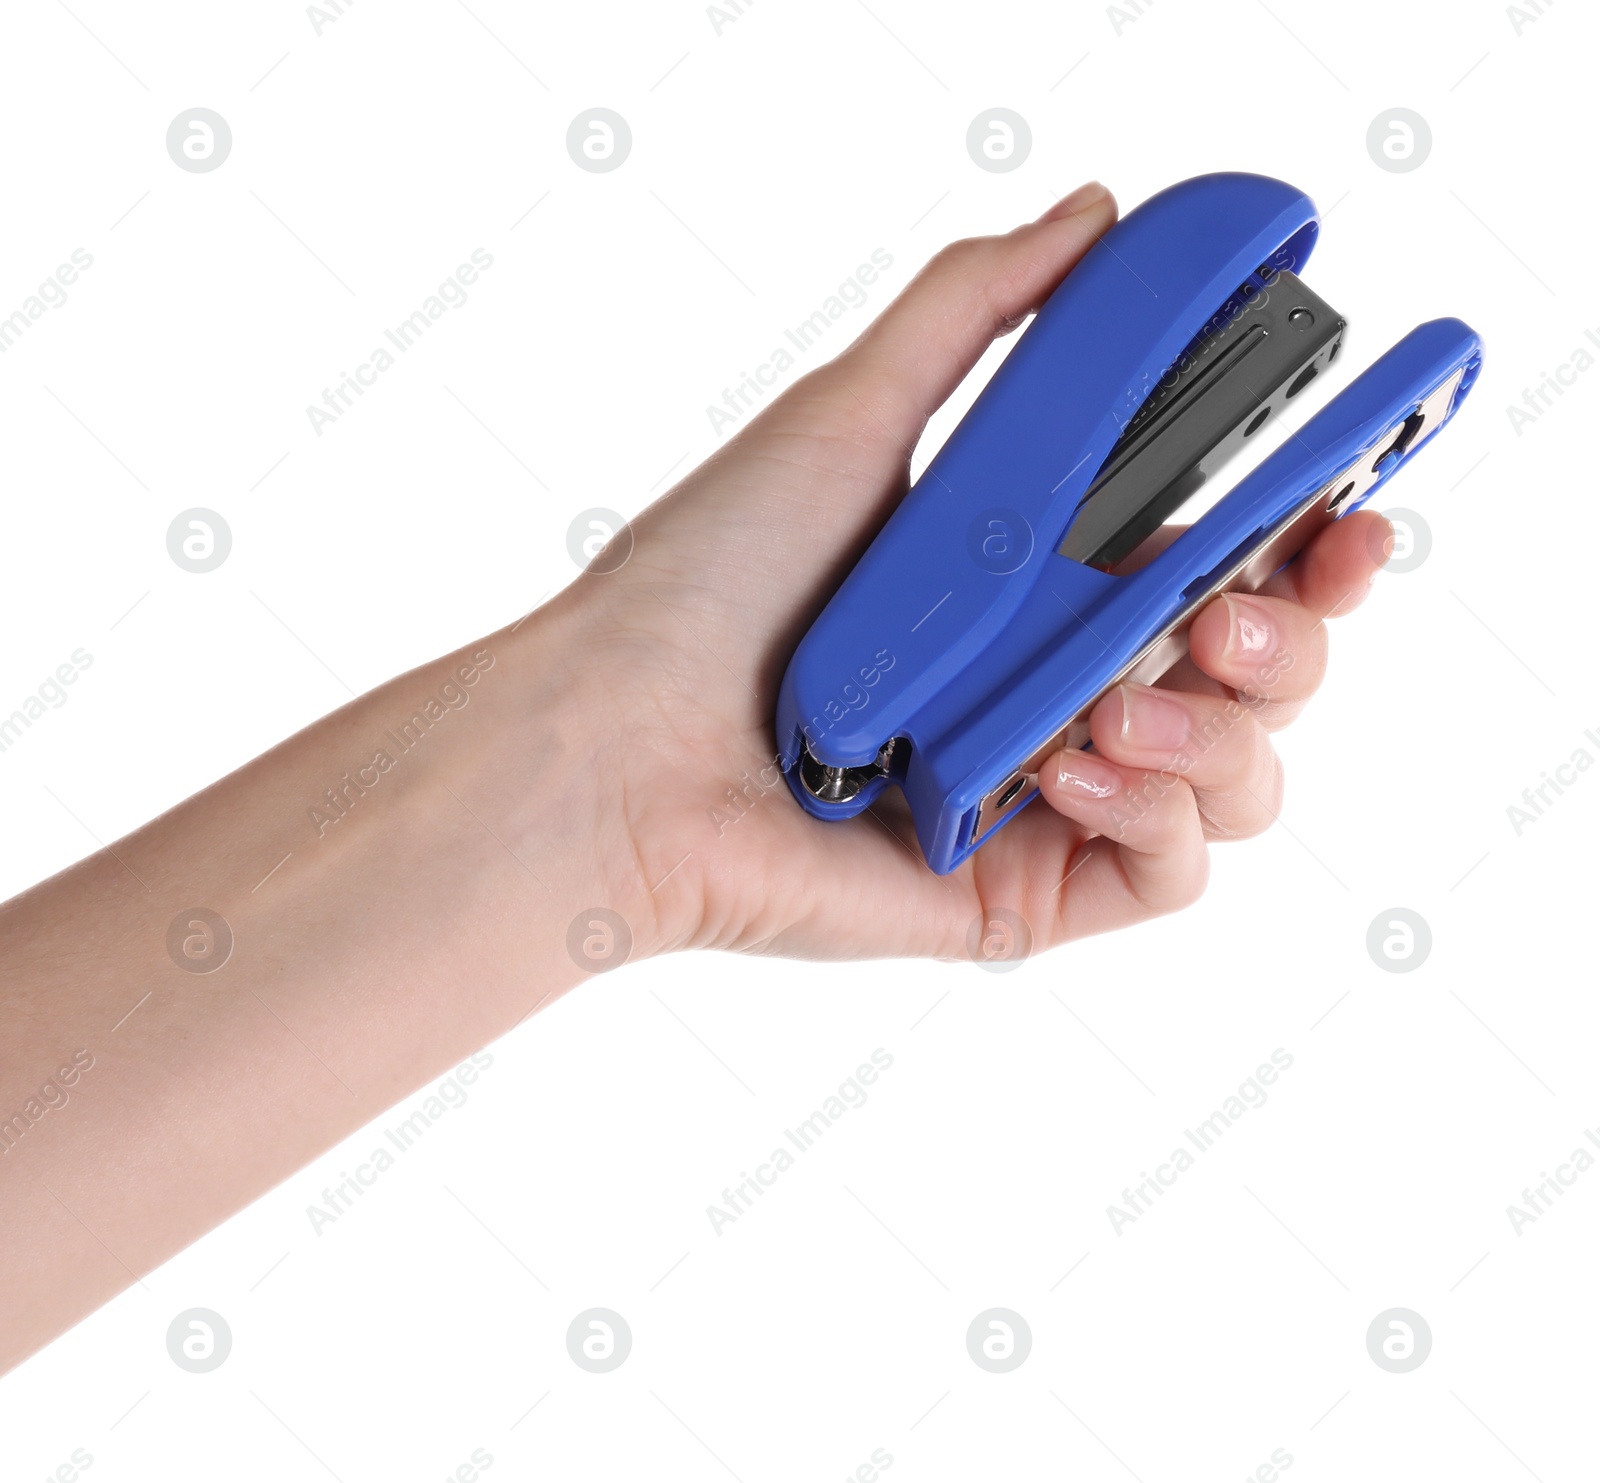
x: 393, y: 905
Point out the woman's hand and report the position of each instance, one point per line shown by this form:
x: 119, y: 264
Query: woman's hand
x: 707, y: 848
x: 282, y: 956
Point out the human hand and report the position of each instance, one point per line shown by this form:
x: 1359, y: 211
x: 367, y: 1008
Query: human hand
x: 619, y: 754
x: 703, y: 845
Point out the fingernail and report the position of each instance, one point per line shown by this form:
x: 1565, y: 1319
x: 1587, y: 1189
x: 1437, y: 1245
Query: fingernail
x: 1152, y: 721
x: 1088, y: 776
x: 1251, y: 631
x: 1080, y: 200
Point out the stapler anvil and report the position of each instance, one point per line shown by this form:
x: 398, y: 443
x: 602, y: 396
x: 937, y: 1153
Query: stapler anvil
x: 991, y: 612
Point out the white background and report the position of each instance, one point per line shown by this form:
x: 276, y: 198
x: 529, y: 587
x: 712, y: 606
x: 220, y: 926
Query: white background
x: 769, y: 161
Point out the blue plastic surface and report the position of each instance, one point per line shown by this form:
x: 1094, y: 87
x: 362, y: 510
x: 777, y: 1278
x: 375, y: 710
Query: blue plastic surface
x: 961, y: 629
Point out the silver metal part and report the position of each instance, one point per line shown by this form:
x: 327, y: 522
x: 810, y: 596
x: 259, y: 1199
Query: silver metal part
x: 1277, y: 547
x: 841, y: 784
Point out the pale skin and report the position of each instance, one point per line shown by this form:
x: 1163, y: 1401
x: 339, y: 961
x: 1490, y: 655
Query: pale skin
x: 434, y: 916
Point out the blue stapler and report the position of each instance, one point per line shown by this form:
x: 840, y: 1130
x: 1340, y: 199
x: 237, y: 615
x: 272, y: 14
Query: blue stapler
x: 995, y: 606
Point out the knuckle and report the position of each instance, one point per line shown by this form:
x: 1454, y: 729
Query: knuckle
x: 1307, y: 656
x: 1198, y: 879
x: 1249, y: 803
x: 1274, y: 715
x: 961, y: 258
x: 1271, y: 794
x: 1228, y: 822
x: 1188, y: 884
x: 1180, y: 866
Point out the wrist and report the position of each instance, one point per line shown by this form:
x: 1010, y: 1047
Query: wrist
x: 553, y: 766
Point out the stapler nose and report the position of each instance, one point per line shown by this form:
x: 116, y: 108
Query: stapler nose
x: 841, y: 784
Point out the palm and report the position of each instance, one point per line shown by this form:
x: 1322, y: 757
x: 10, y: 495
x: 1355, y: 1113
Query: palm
x: 778, y: 523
